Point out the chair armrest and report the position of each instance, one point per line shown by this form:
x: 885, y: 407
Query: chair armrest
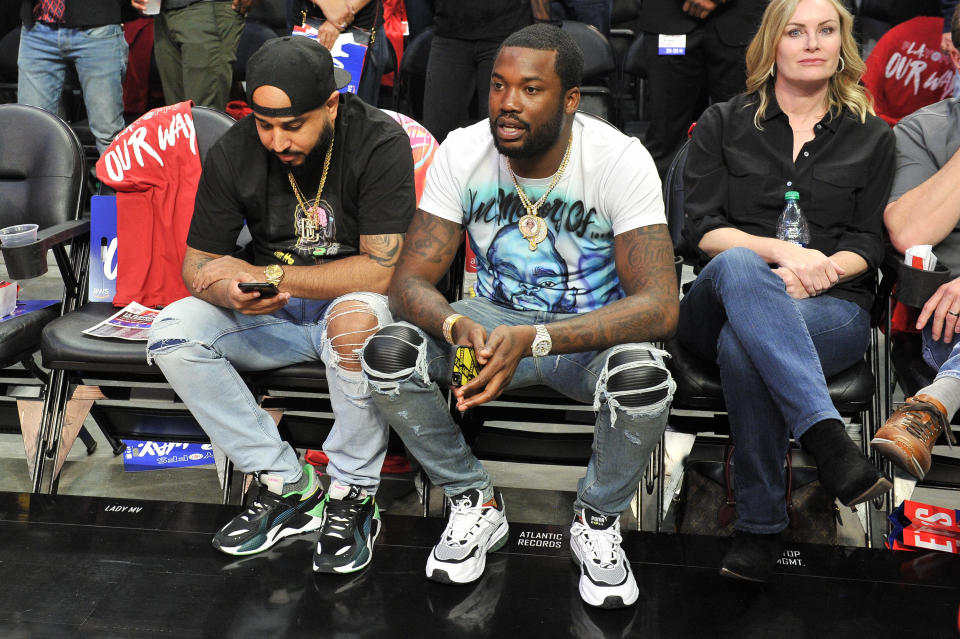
x: 30, y: 260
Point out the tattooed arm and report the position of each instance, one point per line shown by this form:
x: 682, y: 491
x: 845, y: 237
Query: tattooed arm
x: 644, y: 259
x: 214, y: 277
x: 430, y: 247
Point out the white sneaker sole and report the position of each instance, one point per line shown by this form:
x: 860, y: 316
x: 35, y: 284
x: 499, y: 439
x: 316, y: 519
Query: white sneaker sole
x: 273, y: 537
x: 470, y: 570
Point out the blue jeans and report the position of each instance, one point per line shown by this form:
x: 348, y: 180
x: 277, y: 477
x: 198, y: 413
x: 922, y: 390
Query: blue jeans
x: 773, y: 352
x: 624, y: 436
x: 202, y: 348
x: 100, y: 57
x: 941, y: 356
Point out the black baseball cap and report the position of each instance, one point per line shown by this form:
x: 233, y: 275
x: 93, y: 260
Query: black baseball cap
x: 299, y: 66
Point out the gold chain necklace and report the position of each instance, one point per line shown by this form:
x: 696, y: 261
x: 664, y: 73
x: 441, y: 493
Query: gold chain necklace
x: 532, y: 227
x: 317, y: 215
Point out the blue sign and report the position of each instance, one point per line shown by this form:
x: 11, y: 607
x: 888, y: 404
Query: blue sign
x: 145, y: 455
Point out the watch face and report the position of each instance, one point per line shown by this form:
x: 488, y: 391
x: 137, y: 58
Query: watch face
x: 541, y: 347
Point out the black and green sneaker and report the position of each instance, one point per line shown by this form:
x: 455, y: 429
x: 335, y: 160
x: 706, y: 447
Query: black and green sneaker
x: 351, y: 523
x: 272, y: 516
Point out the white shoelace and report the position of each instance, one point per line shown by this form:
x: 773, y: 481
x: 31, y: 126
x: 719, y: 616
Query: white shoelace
x: 603, y: 546
x: 464, y: 523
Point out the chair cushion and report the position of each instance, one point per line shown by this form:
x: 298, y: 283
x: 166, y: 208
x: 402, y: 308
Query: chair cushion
x: 698, y: 383
x: 20, y: 336
x: 64, y: 346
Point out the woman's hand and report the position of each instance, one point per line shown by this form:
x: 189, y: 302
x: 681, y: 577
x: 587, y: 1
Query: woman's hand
x: 815, y: 271
x: 794, y: 287
x: 327, y: 34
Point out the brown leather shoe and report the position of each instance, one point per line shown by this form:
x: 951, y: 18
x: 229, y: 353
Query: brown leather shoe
x: 908, y: 437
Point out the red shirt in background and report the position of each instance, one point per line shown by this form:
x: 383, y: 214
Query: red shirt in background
x: 906, y: 69
x: 154, y: 166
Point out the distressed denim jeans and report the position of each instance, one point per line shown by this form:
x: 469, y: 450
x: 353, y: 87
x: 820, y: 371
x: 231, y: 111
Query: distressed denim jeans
x: 202, y: 349
x: 624, y: 435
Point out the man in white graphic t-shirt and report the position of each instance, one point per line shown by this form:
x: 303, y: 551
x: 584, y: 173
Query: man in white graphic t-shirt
x: 575, y: 279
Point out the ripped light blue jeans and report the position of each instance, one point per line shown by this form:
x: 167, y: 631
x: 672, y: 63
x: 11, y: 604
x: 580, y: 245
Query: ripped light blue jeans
x: 202, y: 349
x: 624, y: 437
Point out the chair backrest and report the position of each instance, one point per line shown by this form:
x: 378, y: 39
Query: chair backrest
x: 634, y: 61
x: 41, y: 168
x: 416, y: 54
x: 673, y: 197
x: 598, y: 60
x: 210, y: 125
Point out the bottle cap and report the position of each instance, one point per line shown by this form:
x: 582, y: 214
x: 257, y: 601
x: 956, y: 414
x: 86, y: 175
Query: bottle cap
x: 791, y: 195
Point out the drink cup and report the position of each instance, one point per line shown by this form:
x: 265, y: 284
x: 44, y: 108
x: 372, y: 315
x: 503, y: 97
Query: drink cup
x: 152, y: 8
x: 18, y: 234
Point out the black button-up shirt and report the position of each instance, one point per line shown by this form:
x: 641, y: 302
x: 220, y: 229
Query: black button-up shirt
x: 736, y: 176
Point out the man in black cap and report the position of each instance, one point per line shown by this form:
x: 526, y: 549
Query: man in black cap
x: 325, y: 185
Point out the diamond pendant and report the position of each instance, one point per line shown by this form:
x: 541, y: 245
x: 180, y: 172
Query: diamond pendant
x: 533, y: 229
x: 318, y: 215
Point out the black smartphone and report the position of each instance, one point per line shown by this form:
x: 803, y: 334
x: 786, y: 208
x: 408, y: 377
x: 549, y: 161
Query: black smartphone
x: 465, y: 365
x: 266, y: 289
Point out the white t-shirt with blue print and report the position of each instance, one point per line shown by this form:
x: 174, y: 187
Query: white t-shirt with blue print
x: 610, y: 186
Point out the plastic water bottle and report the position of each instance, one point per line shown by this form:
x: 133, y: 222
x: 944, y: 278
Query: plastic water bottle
x: 792, y: 225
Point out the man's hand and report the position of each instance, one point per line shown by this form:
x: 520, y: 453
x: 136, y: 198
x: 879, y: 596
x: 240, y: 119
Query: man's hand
x: 944, y: 306
x: 500, y: 356
x: 225, y: 268
x: 699, y: 8
x: 327, y: 34
x: 794, y: 287
x: 251, y: 303
x: 139, y: 5
x: 816, y: 271
x: 242, y: 6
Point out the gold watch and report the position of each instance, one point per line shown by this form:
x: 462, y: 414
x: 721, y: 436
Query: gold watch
x: 274, y: 274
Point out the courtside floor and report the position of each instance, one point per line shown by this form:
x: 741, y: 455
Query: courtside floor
x: 74, y: 566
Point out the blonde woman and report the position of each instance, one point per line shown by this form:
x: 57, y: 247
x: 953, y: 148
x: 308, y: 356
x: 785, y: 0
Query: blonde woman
x: 776, y: 316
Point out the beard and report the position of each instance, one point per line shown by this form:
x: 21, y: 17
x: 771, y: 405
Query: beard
x: 319, y: 149
x: 538, y: 141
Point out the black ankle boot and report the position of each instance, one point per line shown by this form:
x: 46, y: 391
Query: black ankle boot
x: 752, y: 557
x: 842, y: 466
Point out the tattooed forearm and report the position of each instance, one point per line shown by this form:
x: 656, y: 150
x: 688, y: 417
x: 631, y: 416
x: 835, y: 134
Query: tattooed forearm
x: 644, y: 259
x: 382, y: 249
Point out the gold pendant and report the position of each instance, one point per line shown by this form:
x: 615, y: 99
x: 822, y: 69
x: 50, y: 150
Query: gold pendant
x: 533, y: 229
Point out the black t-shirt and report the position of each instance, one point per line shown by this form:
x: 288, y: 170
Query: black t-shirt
x: 736, y: 176
x: 481, y: 19
x: 369, y: 190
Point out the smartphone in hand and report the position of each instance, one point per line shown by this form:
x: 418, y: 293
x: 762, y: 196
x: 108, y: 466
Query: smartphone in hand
x: 465, y: 365
x: 266, y: 289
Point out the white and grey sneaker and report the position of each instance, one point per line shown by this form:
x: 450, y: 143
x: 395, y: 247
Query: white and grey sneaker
x: 606, y: 580
x: 473, y: 530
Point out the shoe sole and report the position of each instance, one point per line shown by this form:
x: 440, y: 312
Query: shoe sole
x: 442, y: 576
x: 879, y: 487
x: 609, y: 601
x: 272, y: 538
x: 349, y: 568
x: 903, y: 459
